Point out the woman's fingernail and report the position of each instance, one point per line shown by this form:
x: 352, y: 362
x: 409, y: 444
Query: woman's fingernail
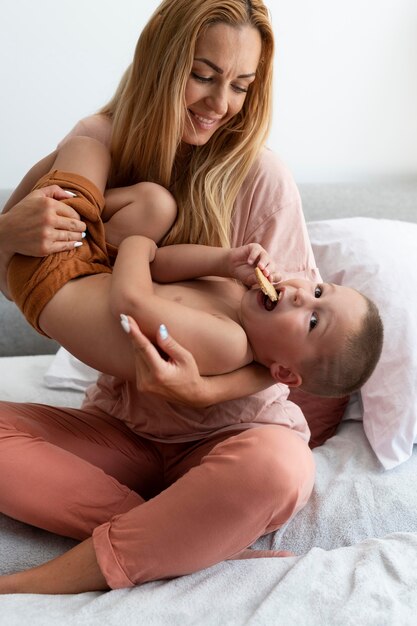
x: 125, y: 323
x: 83, y: 234
x: 70, y: 193
x: 163, y: 333
x: 77, y: 244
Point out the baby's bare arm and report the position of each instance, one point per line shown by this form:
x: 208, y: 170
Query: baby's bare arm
x: 131, y: 279
x: 186, y: 261
x: 218, y: 344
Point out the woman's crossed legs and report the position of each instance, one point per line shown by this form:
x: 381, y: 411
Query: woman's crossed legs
x: 78, y: 473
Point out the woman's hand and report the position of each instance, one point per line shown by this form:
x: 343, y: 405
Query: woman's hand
x: 40, y: 224
x: 243, y: 260
x: 177, y: 378
x: 36, y: 226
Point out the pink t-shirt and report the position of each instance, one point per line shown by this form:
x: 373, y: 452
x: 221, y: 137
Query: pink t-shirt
x: 268, y: 210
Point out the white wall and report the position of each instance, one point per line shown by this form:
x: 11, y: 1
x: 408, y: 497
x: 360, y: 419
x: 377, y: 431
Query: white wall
x: 345, y: 87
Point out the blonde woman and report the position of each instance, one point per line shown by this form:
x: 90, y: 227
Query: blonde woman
x: 149, y: 490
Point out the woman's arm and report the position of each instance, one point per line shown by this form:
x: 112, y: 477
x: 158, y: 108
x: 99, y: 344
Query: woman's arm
x: 37, y: 224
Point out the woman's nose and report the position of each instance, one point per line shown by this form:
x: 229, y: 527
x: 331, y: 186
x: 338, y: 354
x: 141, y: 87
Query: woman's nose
x: 218, y: 101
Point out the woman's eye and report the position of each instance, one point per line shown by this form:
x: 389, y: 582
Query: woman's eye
x: 318, y: 291
x: 239, y: 89
x: 208, y: 79
x: 201, y: 79
x: 314, y: 320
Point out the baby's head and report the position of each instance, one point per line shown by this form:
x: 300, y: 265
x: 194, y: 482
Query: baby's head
x: 325, y: 338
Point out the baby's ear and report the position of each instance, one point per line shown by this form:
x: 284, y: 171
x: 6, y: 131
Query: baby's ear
x: 285, y: 375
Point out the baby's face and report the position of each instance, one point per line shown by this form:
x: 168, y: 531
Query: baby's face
x: 309, y: 320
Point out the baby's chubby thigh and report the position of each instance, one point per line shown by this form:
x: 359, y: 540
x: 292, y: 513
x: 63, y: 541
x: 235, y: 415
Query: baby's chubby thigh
x: 79, y: 317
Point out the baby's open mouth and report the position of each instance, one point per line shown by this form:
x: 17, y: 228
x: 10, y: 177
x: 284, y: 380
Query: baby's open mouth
x: 269, y: 304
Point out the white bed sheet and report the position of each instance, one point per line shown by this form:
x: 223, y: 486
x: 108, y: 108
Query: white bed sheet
x: 356, y: 541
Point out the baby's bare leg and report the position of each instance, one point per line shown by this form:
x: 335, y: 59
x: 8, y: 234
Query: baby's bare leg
x: 143, y: 209
x: 79, y: 317
x: 87, y: 157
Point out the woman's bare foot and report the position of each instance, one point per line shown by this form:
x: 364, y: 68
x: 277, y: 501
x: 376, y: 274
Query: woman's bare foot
x: 75, y: 571
x: 262, y: 554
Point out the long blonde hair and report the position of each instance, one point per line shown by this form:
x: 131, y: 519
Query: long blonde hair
x: 148, y: 115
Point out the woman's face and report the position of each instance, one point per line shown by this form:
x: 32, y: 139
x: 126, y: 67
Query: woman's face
x: 225, y: 63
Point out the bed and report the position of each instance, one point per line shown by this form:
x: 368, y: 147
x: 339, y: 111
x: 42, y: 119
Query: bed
x: 356, y: 540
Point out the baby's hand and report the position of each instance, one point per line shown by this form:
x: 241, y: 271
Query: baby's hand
x: 244, y: 259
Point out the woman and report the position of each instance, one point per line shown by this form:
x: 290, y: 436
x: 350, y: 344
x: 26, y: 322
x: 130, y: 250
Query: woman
x: 192, y: 114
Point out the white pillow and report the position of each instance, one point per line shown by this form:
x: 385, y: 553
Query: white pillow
x: 379, y: 258
x: 67, y: 372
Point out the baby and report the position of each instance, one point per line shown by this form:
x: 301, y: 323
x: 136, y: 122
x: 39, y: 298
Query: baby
x: 325, y: 338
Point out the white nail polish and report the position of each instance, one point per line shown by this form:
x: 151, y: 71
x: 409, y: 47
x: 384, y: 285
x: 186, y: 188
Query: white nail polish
x: 125, y: 323
x: 83, y: 234
x: 163, y: 333
x: 70, y: 193
x: 77, y: 244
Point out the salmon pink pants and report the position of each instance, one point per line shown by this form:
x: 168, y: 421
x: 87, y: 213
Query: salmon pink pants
x: 155, y: 510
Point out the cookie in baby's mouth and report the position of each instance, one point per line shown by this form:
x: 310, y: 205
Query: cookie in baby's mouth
x: 266, y: 287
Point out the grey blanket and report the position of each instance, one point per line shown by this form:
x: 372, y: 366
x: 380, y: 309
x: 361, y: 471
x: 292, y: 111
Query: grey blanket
x: 356, y: 546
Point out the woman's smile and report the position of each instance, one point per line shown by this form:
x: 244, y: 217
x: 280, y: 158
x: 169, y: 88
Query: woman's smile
x: 225, y: 64
x: 204, y: 122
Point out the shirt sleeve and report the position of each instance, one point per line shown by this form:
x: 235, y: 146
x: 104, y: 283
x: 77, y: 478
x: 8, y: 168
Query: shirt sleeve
x: 268, y: 211
x: 95, y: 126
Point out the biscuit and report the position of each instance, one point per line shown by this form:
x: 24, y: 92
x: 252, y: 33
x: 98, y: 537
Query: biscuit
x: 266, y: 287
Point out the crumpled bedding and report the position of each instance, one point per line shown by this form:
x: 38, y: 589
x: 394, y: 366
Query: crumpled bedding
x: 356, y: 546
